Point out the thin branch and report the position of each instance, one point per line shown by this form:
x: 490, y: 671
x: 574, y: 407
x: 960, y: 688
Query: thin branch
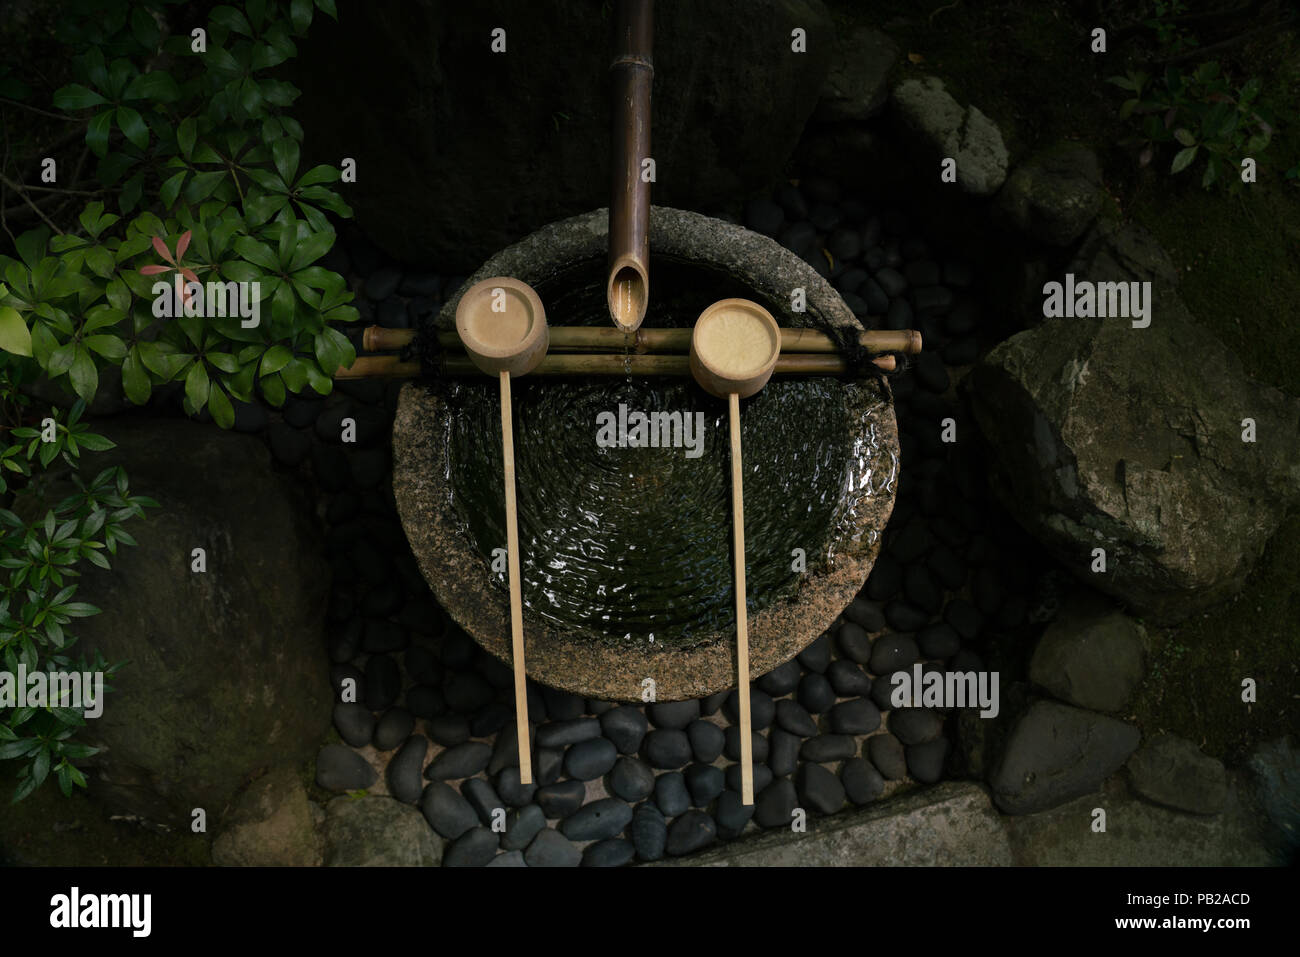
x: 37, y: 109
x: 17, y: 188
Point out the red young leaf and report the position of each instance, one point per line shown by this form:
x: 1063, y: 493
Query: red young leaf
x: 162, y: 250
x: 153, y: 270
x: 182, y: 244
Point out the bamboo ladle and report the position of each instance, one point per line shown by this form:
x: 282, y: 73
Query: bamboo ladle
x: 502, y: 323
x: 734, y: 348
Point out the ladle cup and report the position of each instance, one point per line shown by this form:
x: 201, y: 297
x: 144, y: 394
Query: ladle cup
x: 734, y: 348
x: 502, y: 323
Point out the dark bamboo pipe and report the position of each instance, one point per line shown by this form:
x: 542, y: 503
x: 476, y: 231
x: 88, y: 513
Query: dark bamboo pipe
x: 627, y: 288
x: 601, y: 339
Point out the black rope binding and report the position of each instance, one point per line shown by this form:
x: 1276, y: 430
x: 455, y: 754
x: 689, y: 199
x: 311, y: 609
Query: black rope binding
x: 857, y: 357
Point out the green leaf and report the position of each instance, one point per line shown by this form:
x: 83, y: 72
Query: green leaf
x: 275, y: 359
x: 319, y: 174
x: 285, y: 152
x: 300, y: 14
x: 15, y: 337
x: 232, y: 19
x: 1183, y: 159
x: 110, y: 347
x: 311, y: 249
x: 186, y: 134
x: 97, y: 132
x: 157, y: 85
x: 257, y: 253
x: 273, y: 389
x: 84, y: 376
x: 41, y: 766
x: 1184, y: 136
x: 31, y: 247
x: 135, y: 381
x: 223, y: 413
x: 74, y: 96
x: 197, y: 385
x: 172, y: 188
x: 327, y: 8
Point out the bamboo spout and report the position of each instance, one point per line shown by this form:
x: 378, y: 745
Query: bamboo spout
x: 627, y: 289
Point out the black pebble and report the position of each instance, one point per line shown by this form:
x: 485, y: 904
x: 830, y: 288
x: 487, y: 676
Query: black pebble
x: 794, y: 718
x: 925, y: 761
x: 938, y: 641
x: 475, y: 848
x: 704, y: 782
x: 588, y: 760
x: 819, y: 789
x: 447, y: 811
x: 964, y: 617
x: 611, y: 852
x: 731, y: 747
x: 774, y: 805
x: 763, y: 216
x: 561, y: 705
x: 815, y: 693
x: 886, y: 579
x: 862, y: 782
x: 782, y: 679
x: 915, y: 725
x: 762, y: 776
x: 691, y: 831
x: 522, y: 826
x: 483, y: 798
x: 731, y: 814
x: 671, y: 794
x: 856, y: 716
x: 648, y: 832
x: 892, y: 652
x: 817, y: 655
x: 559, y: 734
x: 783, y: 752
x: 393, y: 728
x: 461, y: 761
x: 667, y: 748
x: 550, y: 848
x: 673, y: 715
x: 761, y: 708
x: 562, y: 798
x: 847, y: 679
x: 903, y: 616
x: 632, y: 779
x: 707, y: 740
x: 828, y: 747
x: 597, y: 821
x: 449, y: 730
x: 625, y: 726
x: 853, y: 642
x: 512, y: 790
x: 355, y: 723
x: 403, y: 771
x: 467, y: 692
x: 886, y: 753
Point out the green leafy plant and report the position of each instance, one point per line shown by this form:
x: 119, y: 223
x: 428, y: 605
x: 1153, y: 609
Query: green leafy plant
x: 1171, y: 37
x: 1202, y: 114
x: 201, y: 164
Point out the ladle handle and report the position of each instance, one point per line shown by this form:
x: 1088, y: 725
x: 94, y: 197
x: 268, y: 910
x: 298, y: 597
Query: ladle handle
x: 742, y: 616
x: 516, y: 597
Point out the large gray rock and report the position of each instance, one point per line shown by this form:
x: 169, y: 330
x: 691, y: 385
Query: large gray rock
x: 1054, y: 195
x: 1057, y: 753
x: 271, y: 825
x: 1172, y: 771
x: 473, y: 149
x: 378, y: 831
x: 226, y: 673
x: 1130, y: 440
x: 858, y: 83
x: 1273, y: 779
x: 944, y: 128
x: 1091, y: 655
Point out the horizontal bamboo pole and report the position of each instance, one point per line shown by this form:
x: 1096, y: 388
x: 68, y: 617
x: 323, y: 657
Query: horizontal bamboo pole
x: 599, y: 364
x: 605, y: 338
